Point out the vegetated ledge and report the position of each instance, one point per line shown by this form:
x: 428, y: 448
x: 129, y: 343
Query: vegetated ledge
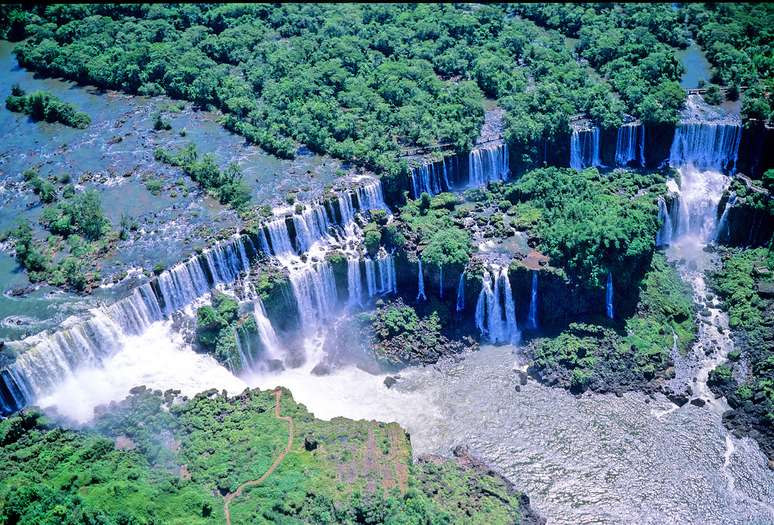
x: 745, y: 283
x: 633, y: 354
x: 164, y: 458
x: 45, y: 106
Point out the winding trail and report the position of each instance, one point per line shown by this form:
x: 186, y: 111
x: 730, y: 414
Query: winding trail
x: 280, y: 457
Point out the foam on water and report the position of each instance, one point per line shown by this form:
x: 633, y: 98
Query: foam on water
x: 158, y: 359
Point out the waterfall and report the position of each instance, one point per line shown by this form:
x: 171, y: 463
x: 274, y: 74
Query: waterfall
x: 280, y: 238
x: 314, y: 289
x: 609, y: 296
x: 311, y: 226
x: 664, y: 235
x: 495, y: 309
x: 346, y: 208
x: 440, y: 281
x: 723, y: 222
x: 630, y: 141
x: 266, y: 333
x: 697, y: 202
x: 533, y: 303
x: 421, y: 283
x: 354, y: 282
x: 54, y: 357
x: 706, y: 146
x: 387, y: 279
x: 461, y: 293
x: 370, y: 276
x: 370, y: 196
x: 426, y: 179
x: 488, y: 164
x: 584, y: 148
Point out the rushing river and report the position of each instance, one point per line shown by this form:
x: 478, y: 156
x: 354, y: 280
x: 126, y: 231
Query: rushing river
x: 582, y: 459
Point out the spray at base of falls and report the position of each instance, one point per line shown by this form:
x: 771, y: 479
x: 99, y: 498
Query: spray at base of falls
x: 158, y: 359
x: 584, y: 148
x: 495, y: 309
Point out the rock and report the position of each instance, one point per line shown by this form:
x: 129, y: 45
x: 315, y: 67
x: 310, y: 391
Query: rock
x: 310, y: 443
x: 321, y: 369
x: 389, y: 381
x: 678, y: 399
x: 698, y: 402
x: 522, y: 377
x: 517, y: 388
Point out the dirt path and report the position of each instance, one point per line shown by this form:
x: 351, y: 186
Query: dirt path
x: 280, y: 457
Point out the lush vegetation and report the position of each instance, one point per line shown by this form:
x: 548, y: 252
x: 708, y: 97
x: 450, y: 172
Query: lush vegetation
x: 219, y: 329
x: 80, y: 233
x: 45, y: 106
x: 227, y: 185
x: 160, y: 460
x: 631, y: 45
x: 433, y: 227
x: 745, y: 283
x: 736, y: 38
x: 597, y: 357
x: 588, y: 223
x: 363, y: 82
x: 401, y: 336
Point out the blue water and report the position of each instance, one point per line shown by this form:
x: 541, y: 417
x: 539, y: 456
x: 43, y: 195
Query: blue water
x: 697, y: 67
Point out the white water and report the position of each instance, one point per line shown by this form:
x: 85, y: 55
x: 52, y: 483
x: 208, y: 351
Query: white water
x: 664, y: 235
x: 461, y: 293
x: 354, y: 282
x: 421, y: 282
x: 495, y: 309
x: 706, y: 146
x: 609, y: 296
x: 630, y: 144
x: 157, y: 359
x: 266, y: 333
x: 584, y: 148
x: 698, y: 199
x: 488, y: 164
x: 532, y: 321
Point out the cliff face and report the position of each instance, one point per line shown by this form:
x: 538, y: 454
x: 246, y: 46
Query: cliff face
x: 756, y: 150
x: 745, y: 214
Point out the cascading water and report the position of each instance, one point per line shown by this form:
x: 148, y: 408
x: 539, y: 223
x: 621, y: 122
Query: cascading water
x: 664, y: 235
x: 488, y: 164
x: 354, y: 282
x: 461, y: 293
x: 370, y: 276
x: 495, y: 309
x: 370, y: 196
x: 584, y: 148
x: 387, y: 278
x: 280, y: 238
x: 314, y: 289
x: 532, y: 321
x: 421, y: 282
x: 706, y: 146
x: 427, y: 179
x: 266, y: 333
x: 723, y: 229
x: 630, y: 141
x: 609, y: 296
